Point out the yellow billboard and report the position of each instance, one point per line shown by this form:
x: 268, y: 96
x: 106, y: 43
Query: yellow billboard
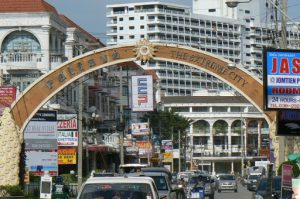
x: 66, y: 156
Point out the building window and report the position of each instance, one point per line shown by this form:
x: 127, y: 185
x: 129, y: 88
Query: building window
x: 142, y: 27
x: 211, y: 10
x: 131, y: 27
x: 131, y: 18
x: 21, y: 41
x: 180, y: 109
x: 121, y: 37
x: 201, y: 109
x: 142, y: 36
x: 131, y: 37
x: 247, y: 11
x: 142, y: 17
x: 121, y: 28
x: 219, y: 109
x: 121, y: 19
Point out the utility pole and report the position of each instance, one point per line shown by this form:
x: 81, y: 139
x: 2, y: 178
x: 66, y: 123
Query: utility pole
x: 121, y: 118
x: 242, y: 148
x: 283, y: 45
x: 179, y: 159
x: 1, y: 77
x: 80, y: 109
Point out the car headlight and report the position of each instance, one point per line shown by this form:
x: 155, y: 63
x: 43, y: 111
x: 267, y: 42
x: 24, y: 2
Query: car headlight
x: 258, y: 197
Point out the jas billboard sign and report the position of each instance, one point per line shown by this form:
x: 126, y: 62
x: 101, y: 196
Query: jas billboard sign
x: 281, y: 79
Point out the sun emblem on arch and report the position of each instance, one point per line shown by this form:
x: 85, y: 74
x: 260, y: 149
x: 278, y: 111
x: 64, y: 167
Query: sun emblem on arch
x: 144, y: 50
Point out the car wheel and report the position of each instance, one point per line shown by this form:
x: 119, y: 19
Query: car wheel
x: 236, y: 190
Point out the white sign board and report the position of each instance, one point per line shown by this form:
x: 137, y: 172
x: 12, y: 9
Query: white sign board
x: 142, y: 93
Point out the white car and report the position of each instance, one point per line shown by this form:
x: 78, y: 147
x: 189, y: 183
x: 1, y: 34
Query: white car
x: 118, y: 187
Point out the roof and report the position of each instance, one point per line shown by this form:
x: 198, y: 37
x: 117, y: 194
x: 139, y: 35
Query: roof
x: 71, y: 23
x: 119, y: 179
x: 204, y: 99
x: 13, y: 6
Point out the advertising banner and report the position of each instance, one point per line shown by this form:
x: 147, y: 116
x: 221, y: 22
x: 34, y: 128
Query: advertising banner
x: 41, y: 132
x: 41, y: 144
x: 167, y: 145
x: 281, y: 79
x: 140, y: 128
x: 145, y: 147
x: 66, y: 156
x: 142, y: 93
x: 7, y: 96
x: 288, y: 122
x: 67, y: 122
x: 67, y: 138
x: 39, y: 161
x: 168, y: 156
x: 286, y: 175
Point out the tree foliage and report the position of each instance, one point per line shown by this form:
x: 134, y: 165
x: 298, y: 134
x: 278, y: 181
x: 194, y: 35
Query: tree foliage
x: 167, y: 123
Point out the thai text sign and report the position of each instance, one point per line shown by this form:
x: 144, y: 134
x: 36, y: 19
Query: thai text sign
x: 281, y: 79
x: 7, y: 96
x: 67, y: 156
x: 142, y: 93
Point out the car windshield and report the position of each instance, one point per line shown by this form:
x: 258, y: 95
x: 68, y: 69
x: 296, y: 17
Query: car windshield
x: 160, y: 182
x: 263, y: 184
x: 116, y: 191
x: 194, y: 179
x: 227, y: 177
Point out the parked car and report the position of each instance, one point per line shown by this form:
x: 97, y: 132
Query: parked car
x: 227, y: 182
x: 261, y: 190
x: 163, y: 180
x: 252, y: 182
x: 209, y: 189
x: 121, y: 187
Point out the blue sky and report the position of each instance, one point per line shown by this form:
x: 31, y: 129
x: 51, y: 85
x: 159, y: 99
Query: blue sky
x: 90, y: 14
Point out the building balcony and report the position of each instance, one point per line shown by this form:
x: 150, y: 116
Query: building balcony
x: 17, y: 61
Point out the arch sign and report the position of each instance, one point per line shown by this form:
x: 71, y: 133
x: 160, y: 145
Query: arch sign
x: 48, y: 85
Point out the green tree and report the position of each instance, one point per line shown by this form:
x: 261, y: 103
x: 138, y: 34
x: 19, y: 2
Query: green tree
x: 166, y: 123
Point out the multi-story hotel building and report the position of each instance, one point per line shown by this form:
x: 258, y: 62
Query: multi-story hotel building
x: 238, y: 34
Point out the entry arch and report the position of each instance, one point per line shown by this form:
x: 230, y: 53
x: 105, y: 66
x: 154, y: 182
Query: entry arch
x: 33, y: 98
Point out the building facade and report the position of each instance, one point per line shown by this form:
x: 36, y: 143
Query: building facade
x: 225, y: 132
x: 238, y: 34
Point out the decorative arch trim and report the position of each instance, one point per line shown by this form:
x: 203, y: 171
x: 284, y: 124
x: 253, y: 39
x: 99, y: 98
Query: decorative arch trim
x: 48, y: 85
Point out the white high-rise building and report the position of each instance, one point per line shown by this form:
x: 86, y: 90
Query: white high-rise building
x: 238, y: 34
